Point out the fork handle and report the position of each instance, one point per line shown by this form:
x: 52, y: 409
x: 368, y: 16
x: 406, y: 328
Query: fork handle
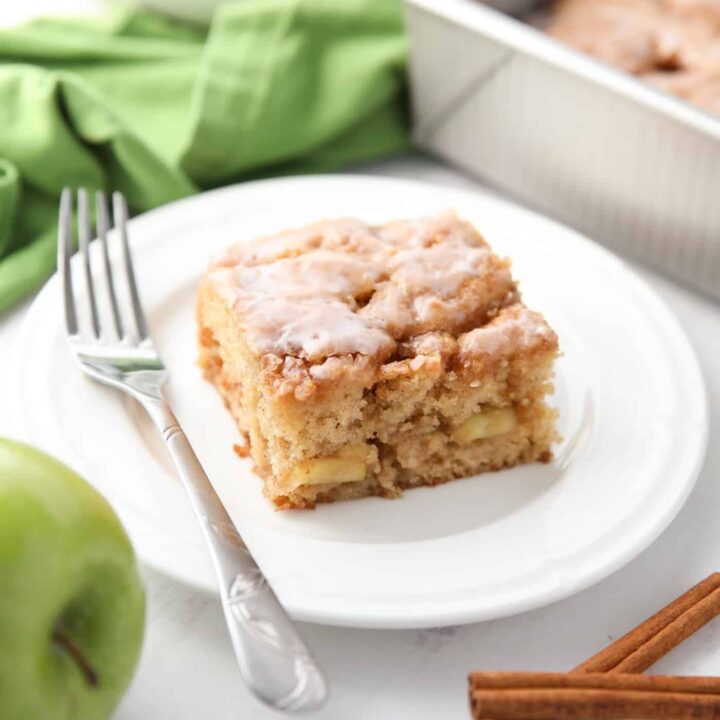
x: 273, y: 659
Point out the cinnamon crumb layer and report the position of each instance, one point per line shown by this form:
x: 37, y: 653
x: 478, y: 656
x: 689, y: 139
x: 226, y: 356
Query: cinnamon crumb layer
x: 341, y: 298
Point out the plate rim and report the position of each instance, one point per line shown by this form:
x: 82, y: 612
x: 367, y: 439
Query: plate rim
x: 690, y: 368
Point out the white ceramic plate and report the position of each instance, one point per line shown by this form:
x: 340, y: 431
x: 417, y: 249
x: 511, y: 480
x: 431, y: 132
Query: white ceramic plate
x: 632, y: 403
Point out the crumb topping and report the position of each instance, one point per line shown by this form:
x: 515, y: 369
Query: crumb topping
x: 346, y: 287
x: 336, y: 300
x: 515, y: 328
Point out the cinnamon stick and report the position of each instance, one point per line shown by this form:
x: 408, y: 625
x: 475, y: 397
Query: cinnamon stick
x: 595, y: 704
x: 602, y: 696
x: 634, y: 652
x: 643, y: 646
x: 528, y: 680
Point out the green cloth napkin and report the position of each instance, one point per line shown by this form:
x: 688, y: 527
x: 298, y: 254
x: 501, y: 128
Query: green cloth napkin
x: 160, y: 109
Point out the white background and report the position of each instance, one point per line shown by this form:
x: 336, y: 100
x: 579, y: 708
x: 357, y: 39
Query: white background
x: 187, y: 668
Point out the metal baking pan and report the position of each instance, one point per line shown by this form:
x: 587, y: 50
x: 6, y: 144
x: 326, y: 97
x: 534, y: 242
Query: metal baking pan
x: 599, y: 150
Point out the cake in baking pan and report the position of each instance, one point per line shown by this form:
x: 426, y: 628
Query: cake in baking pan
x: 673, y: 44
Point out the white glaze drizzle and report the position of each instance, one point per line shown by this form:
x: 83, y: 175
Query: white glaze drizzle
x: 298, y: 292
x: 513, y: 329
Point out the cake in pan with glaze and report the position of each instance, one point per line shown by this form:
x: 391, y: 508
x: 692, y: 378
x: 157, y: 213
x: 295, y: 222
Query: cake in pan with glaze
x: 673, y: 44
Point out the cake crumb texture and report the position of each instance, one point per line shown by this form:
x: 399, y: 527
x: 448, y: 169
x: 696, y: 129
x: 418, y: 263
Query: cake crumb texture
x: 364, y: 360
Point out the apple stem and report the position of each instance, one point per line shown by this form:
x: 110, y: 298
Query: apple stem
x: 76, y: 654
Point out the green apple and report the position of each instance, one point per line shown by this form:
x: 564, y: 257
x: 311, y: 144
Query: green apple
x: 72, y: 606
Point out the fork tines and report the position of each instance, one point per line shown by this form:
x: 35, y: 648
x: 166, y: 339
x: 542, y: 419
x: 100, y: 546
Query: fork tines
x: 128, y: 326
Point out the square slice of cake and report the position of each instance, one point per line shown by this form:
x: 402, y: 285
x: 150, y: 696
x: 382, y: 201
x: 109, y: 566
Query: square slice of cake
x: 362, y: 360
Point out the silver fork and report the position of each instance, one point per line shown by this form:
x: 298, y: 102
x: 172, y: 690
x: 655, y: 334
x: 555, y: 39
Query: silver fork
x: 118, y: 351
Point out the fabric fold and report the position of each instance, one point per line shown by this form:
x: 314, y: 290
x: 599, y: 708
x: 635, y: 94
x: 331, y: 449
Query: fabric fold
x: 9, y: 197
x: 160, y: 109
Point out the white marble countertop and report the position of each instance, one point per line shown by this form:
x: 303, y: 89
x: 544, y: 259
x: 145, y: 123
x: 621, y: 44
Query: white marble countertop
x: 188, y: 670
